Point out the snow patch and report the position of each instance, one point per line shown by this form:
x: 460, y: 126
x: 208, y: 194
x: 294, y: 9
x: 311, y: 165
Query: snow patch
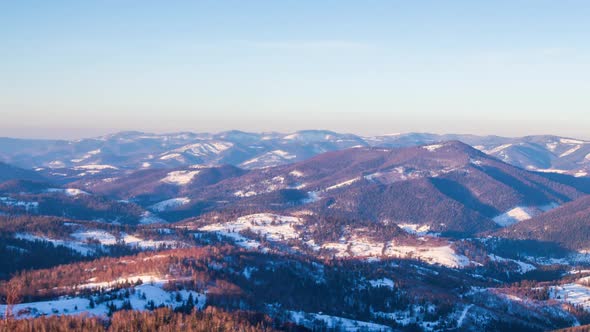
x: 463, y: 315
x: 571, y: 141
x: 78, y: 305
x: 149, y: 218
x: 170, y: 204
x: 105, y: 238
x: 383, y: 282
x: 56, y: 164
x: 373, y: 176
x: 573, y: 293
x: 360, y: 246
x: 433, y: 147
x: 343, y: 184
x: 570, y: 151
x: 415, y: 228
x: 521, y: 213
x: 88, y: 155
x: 312, y: 197
x: 67, y: 191
x: 180, y: 177
x: 333, y: 322
x: 476, y: 162
x: 241, y: 193
x: 522, y: 266
x: 513, y: 216
x: 552, y: 170
x: 272, y: 158
x: 94, y: 152
x: 498, y: 148
x: 205, y: 149
x: 442, y: 255
x: 296, y: 173
x: 283, y: 154
x: 28, y: 206
x: 272, y: 227
x: 95, y: 167
x: 76, y: 246
x: 138, y: 242
x: 171, y: 156
x: 152, y: 279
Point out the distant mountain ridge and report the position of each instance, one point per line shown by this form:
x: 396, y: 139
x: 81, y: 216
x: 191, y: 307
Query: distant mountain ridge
x: 133, y: 150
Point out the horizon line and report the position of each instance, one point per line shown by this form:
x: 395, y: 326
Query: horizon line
x: 286, y: 133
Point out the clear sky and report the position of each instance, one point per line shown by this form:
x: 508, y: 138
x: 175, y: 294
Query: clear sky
x: 81, y: 68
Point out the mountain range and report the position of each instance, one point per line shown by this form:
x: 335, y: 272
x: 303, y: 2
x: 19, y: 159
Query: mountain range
x: 314, y: 229
x: 135, y: 150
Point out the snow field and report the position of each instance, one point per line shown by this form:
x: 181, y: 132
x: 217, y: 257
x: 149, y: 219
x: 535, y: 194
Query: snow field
x: 170, y: 204
x: 79, y: 305
x: 179, y: 177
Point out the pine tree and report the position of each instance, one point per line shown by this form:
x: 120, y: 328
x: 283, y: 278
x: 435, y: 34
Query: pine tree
x: 190, y: 303
x: 111, y: 308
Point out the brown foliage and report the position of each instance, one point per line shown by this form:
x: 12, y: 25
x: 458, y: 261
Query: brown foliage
x: 161, y: 320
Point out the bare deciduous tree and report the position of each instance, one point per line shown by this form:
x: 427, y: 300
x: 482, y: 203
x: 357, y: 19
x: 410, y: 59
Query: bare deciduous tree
x: 13, y: 297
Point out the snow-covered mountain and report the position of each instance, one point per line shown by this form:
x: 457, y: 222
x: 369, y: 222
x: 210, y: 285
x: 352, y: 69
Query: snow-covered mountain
x: 542, y: 153
x: 323, y: 231
x: 133, y: 150
x: 442, y: 187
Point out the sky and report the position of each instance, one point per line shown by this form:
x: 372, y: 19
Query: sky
x: 72, y: 69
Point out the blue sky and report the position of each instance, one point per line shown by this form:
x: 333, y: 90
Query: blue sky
x: 80, y: 68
